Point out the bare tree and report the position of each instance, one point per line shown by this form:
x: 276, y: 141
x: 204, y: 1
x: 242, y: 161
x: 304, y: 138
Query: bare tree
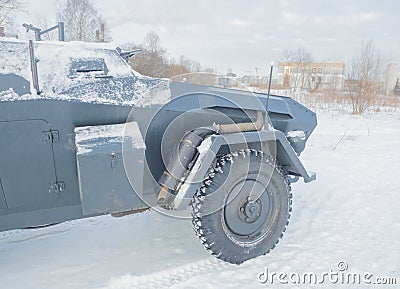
x: 152, y: 41
x: 396, y: 89
x: 363, y: 78
x: 152, y: 60
x: 189, y: 64
x: 8, y: 8
x: 300, y: 70
x: 81, y: 19
x: 175, y: 68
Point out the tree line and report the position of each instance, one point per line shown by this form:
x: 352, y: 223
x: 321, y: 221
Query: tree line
x: 84, y: 23
x: 362, y: 78
x: 153, y: 60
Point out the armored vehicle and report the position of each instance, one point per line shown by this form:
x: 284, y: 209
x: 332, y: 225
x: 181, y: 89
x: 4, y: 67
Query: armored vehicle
x: 82, y: 134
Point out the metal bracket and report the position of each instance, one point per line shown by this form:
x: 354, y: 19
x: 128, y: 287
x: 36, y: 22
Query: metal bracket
x: 39, y: 32
x: 113, y: 160
x: 56, y: 187
x: 50, y: 136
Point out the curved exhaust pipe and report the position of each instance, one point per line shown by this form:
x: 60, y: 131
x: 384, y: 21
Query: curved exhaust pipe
x: 181, y: 164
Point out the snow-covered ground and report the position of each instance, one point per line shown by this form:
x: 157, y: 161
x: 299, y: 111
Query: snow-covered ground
x: 350, y: 214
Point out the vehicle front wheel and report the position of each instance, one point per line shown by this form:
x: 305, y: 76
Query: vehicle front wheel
x: 243, y: 207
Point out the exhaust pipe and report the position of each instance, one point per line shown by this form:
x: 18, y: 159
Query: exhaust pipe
x: 181, y: 164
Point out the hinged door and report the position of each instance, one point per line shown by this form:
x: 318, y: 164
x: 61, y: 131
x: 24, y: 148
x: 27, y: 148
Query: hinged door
x: 27, y: 165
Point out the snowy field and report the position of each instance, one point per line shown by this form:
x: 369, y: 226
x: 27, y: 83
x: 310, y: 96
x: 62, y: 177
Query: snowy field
x: 350, y: 214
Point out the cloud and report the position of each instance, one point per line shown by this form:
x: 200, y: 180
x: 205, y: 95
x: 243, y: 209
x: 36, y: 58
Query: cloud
x: 243, y: 35
x: 240, y: 23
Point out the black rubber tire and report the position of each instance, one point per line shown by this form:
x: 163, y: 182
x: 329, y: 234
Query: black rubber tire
x: 209, y: 207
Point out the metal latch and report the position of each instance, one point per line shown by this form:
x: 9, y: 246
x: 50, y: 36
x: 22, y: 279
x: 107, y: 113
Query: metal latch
x: 50, y: 136
x: 56, y: 187
x: 113, y: 160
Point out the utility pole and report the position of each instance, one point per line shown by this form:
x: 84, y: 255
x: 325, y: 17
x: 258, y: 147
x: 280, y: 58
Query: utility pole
x: 102, y: 28
x: 256, y: 68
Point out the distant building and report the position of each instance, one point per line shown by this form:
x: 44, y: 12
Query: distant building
x: 228, y: 80
x: 311, y: 75
x: 259, y: 82
x: 249, y: 79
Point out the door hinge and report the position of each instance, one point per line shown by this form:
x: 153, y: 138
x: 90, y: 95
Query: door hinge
x: 56, y: 187
x: 50, y: 136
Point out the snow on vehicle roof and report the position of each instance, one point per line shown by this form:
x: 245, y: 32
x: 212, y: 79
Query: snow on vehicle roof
x: 79, y: 71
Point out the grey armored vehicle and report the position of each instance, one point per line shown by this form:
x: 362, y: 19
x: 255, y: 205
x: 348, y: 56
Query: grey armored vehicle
x: 81, y: 134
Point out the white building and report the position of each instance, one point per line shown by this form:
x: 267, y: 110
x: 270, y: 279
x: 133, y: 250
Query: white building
x: 312, y: 75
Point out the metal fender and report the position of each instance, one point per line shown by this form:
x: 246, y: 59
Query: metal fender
x: 265, y: 140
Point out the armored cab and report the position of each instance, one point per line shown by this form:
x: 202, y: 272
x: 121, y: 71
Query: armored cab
x: 82, y: 134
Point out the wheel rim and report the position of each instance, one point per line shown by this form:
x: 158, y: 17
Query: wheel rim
x: 250, y: 209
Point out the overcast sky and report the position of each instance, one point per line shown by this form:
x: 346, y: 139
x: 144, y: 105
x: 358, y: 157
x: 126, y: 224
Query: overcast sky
x: 242, y: 35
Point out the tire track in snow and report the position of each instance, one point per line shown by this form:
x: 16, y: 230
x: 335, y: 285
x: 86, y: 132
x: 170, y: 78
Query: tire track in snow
x: 168, y: 277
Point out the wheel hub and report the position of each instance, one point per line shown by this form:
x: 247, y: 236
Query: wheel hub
x: 248, y: 208
x: 250, y: 211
